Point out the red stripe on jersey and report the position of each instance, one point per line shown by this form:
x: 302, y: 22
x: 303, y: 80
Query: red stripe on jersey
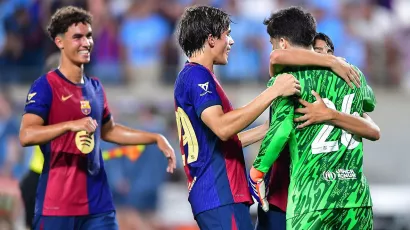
x: 234, y: 160
x: 279, y: 181
x: 66, y: 192
x: 234, y: 227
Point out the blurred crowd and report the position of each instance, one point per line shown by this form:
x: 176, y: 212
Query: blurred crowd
x: 135, y: 48
x: 134, y: 42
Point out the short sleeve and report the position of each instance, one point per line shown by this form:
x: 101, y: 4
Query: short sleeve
x: 202, y: 90
x: 369, y: 99
x: 39, y: 98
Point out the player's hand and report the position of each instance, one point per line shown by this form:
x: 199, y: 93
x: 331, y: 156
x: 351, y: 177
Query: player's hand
x: 346, y: 71
x: 258, y: 188
x: 286, y: 85
x: 314, y: 113
x: 84, y: 124
x: 168, y: 151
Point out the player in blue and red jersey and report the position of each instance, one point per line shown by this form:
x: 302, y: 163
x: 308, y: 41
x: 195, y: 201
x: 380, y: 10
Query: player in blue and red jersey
x: 208, y: 126
x: 67, y: 114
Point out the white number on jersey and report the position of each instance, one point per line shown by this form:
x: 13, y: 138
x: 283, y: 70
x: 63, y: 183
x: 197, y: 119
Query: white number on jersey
x: 320, y: 145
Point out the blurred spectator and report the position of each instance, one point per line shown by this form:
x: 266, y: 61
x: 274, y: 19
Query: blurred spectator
x: 143, y: 35
x: 24, y: 46
x: 105, y: 57
x: 136, y: 181
x: 11, y: 166
x: 251, y: 42
x: 10, y: 150
x: 373, y: 23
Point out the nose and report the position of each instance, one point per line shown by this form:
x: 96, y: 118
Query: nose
x: 86, y: 42
x: 231, y: 41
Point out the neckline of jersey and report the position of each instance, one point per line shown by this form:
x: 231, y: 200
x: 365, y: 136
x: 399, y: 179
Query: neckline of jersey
x: 61, y: 75
x: 195, y: 63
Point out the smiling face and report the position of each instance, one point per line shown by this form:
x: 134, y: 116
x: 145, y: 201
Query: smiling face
x: 222, y: 47
x: 76, y: 44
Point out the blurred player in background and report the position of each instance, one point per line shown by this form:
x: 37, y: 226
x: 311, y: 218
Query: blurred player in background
x: 208, y: 126
x: 67, y: 114
x: 28, y: 185
x: 306, y: 174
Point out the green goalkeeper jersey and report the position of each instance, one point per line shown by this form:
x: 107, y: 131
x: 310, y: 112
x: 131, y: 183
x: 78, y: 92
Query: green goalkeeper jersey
x: 326, y: 168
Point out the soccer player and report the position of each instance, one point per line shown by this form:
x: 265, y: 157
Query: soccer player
x: 208, y: 126
x: 278, y: 176
x: 323, y: 44
x: 327, y: 186
x: 67, y: 114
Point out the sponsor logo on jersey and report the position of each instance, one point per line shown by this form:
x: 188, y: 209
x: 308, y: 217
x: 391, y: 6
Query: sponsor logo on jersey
x: 329, y: 176
x: 29, y: 97
x: 340, y: 174
x: 346, y: 174
x: 204, y: 86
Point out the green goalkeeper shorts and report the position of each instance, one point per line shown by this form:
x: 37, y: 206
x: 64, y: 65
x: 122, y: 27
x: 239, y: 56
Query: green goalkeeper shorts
x: 341, y: 219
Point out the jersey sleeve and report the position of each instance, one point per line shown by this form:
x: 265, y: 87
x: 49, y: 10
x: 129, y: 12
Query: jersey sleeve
x: 369, y: 99
x: 281, y: 125
x: 39, y: 98
x: 202, y: 90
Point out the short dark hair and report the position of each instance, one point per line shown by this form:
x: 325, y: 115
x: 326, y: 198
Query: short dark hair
x: 325, y: 38
x: 294, y: 24
x: 65, y: 17
x: 195, y: 25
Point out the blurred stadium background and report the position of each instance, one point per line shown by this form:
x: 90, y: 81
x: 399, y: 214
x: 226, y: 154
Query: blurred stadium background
x: 137, y: 58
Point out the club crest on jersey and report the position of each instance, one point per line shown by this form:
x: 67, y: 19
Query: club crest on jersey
x: 85, y: 107
x: 204, y: 86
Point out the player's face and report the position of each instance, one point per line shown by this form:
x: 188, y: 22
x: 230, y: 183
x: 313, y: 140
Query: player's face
x: 77, y: 43
x: 320, y: 46
x: 222, y: 48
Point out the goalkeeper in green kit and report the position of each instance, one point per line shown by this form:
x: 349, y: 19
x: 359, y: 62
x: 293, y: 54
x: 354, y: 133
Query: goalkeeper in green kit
x: 327, y: 187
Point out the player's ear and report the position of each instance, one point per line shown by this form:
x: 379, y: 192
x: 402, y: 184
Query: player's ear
x: 283, y: 43
x: 58, y: 40
x: 211, y: 41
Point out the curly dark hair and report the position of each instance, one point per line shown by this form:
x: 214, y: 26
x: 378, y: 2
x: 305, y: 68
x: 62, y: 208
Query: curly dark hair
x: 65, y: 17
x: 325, y: 38
x: 294, y: 24
x: 196, y: 23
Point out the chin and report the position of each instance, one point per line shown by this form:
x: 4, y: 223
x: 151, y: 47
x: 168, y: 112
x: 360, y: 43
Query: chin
x: 84, y: 61
x: 221, y: 62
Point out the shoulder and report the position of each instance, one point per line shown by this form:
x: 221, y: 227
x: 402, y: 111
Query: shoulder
x: 42, y: 83
x: 193, y: 73
x: 95, y: 83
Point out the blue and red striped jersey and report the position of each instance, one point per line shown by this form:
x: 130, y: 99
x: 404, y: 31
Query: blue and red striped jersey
x: 73, y: 181
x: 215, y: 169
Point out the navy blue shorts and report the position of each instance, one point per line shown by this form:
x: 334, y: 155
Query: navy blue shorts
x: 103, y: 221
x: 274, y: 219
x: 227, y: 217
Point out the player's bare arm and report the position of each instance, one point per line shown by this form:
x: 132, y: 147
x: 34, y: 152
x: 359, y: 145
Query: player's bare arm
x: 122, y: 135
x: 225, y: 125
x: 256, y: 134
x: 304, y: 57
x: 34, y: 132
x: 318, y: 112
